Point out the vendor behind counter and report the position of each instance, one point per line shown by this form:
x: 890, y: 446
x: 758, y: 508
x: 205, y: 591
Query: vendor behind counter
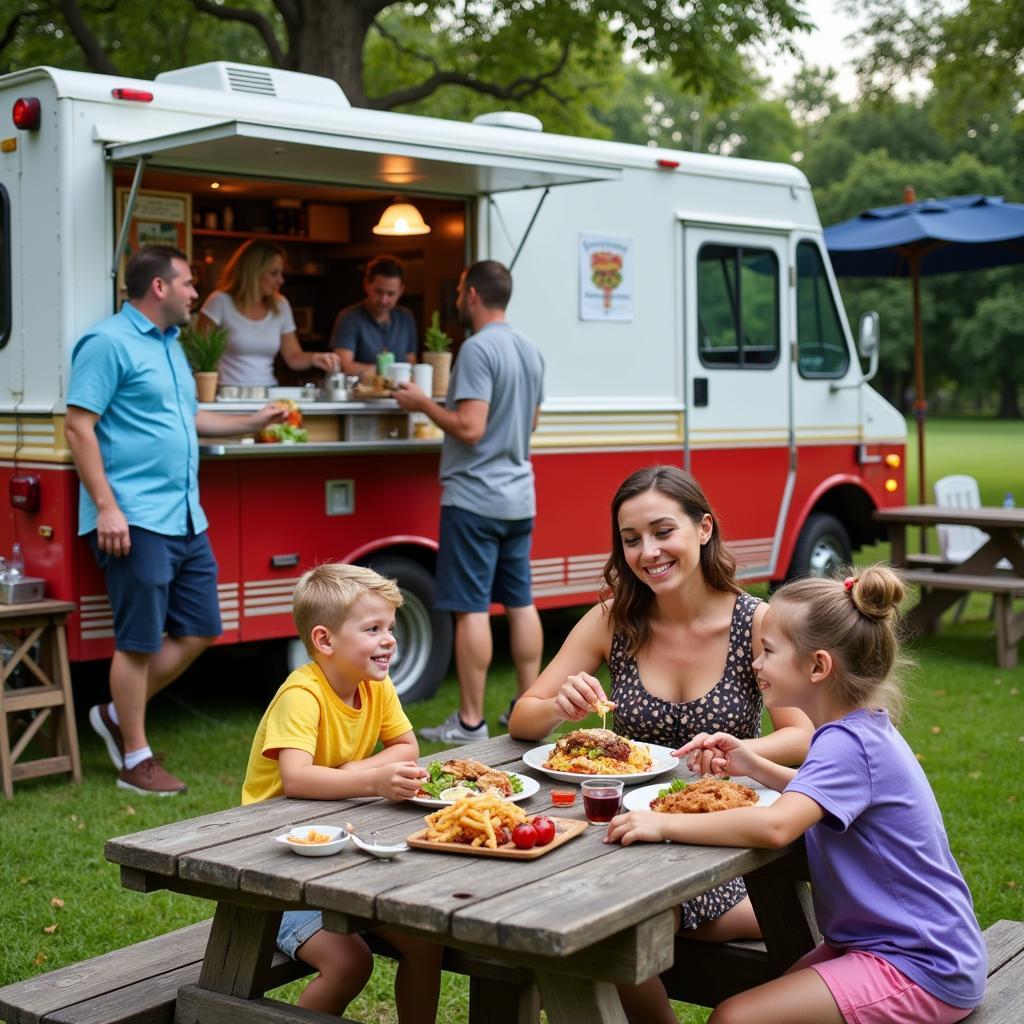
x: 248, y: 302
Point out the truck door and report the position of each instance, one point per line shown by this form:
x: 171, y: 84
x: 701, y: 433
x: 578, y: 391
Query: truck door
x: 738, y: 426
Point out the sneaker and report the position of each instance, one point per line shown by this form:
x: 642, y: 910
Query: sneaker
x: 451, y: 730
x: 150, y: 778
x: 109, y: 731
x: 506, y: 715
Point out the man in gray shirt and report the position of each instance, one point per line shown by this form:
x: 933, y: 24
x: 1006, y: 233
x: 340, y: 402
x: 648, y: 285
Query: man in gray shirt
x: 487, y: 501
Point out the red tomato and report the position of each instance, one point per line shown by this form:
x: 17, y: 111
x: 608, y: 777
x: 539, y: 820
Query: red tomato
x: 524, y: 836
x: 545, y: 829
x: 294, y: 418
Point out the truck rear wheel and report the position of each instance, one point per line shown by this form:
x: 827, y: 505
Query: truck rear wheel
x: 424, y: 633
x: 822, y: 548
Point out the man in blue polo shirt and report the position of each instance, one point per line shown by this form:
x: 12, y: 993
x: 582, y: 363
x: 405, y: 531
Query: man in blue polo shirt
x: 131, y: 424
x: 377, y: 324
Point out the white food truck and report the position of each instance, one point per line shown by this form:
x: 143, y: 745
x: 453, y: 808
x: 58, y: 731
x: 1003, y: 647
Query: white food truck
x: 684, y: 303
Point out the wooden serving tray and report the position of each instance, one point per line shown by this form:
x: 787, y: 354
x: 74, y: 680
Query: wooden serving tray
x: 566, y: 829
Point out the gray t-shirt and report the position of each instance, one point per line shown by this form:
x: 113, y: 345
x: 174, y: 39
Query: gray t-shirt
x: 494, y: 477
x: 356, y: 330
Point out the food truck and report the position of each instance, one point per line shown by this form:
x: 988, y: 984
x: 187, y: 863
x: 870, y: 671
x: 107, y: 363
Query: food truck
x: 684, y: 303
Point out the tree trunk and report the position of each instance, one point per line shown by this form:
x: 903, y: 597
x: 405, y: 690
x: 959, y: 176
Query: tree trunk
x: 329, y: 42
x: 1009, y: 404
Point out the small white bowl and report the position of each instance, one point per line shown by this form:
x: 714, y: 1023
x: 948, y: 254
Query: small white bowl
x: 338, y: 840
x: 380, y: 850
x: 282, y: 392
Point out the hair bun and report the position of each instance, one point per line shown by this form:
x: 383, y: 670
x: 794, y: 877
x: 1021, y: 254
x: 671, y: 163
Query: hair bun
x: 879, y: 592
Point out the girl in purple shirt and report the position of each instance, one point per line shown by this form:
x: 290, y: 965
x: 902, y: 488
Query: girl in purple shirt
x: 901, y: 942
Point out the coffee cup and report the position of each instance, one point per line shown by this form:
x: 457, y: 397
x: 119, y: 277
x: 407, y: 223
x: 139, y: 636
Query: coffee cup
x: 400, y: 373
x: 423, y: 377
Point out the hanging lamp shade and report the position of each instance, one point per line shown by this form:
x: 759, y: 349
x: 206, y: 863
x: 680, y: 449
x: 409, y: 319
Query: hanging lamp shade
x: 401, y: 219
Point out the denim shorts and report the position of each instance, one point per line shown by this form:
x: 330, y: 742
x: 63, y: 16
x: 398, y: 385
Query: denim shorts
x: 297, y: 927
x: 164, y: 584
x: 481, y: 561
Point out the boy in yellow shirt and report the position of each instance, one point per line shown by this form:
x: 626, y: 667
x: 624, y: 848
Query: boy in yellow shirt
x: 316, y: 742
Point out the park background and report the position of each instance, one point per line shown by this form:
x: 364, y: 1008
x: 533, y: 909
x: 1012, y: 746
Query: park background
x: 926, y: 94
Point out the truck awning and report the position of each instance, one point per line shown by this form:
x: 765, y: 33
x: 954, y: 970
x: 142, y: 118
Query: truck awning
x: 295, y: 154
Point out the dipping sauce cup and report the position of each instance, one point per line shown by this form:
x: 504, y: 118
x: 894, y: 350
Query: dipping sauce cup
x: 602, y: 799
x: 563, y: 796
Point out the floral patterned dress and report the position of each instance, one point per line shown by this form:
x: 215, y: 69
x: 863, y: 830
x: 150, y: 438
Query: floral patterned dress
x: 732, y: 705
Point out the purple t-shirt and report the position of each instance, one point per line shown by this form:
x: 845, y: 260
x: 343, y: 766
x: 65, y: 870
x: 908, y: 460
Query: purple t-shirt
x: 884, y: 879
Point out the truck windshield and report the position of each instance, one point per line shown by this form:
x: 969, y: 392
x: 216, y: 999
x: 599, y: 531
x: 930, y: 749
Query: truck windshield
x: 5, y: 267
x: 738, y: 306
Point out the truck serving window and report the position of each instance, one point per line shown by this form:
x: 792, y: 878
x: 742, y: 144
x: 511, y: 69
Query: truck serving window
x: 738, y: 306
x: 5, y: 267
x: 820, y: 340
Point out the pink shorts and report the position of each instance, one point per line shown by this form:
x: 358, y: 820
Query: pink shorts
x: 869, y: 990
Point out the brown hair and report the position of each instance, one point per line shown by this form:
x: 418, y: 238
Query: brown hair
x: 492, y: 281
x: 632, y: 599
x: 148, y: 263
x: 385, y: 265
x: 856, y: 620
x: 240, y: 277
x: 324, y: 596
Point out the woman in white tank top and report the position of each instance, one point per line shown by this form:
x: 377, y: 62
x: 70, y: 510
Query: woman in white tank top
x: 258, y: 318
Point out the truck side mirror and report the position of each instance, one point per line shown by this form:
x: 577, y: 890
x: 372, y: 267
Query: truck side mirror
x: 868, y: 335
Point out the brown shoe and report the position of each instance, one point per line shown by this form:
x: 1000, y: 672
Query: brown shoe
x: 109, y: 731
x: 150, y: 778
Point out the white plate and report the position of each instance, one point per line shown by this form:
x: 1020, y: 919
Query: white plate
x: 530, y: 786
x: 661, y: 756
x: 319, y: 849
x: 640, y: 799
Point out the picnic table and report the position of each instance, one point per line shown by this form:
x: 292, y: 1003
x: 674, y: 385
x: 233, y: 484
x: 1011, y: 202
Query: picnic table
x: 945, y: 582
x: 582, y: 917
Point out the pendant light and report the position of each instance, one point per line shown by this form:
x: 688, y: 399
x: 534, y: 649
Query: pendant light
x: 401, y: 219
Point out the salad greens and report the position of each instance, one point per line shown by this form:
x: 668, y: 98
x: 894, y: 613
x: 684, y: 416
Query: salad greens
x: 675, y: 787
x: 284, y: 433
x: 439, y: 780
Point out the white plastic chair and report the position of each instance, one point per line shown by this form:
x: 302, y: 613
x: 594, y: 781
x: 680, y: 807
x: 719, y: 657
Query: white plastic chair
x: 958, y: 543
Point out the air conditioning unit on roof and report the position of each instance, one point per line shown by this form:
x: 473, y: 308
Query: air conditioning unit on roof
x: 220, y: 76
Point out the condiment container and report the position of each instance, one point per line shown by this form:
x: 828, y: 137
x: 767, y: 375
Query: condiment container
x: 563, y: 796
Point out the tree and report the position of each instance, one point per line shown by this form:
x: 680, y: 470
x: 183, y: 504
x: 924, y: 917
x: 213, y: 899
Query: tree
x: 506, y: 49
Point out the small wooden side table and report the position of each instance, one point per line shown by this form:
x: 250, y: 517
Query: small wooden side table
x: 43, y: 708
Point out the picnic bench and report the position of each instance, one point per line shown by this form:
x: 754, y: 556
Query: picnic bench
x: 943, y: 582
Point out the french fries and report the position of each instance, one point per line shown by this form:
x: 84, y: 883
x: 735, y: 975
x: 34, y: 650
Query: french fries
x: 479, y: 820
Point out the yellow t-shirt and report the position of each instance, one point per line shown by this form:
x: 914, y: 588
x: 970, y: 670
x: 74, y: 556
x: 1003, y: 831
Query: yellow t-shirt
x: 306, y: 714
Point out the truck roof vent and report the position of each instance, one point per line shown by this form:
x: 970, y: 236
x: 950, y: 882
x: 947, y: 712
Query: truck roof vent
x: 510, y: 119
x: 220, y: 76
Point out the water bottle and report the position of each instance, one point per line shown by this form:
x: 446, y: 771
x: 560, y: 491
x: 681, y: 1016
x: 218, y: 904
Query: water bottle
x: 1008, y: 501
x: 16, y: 565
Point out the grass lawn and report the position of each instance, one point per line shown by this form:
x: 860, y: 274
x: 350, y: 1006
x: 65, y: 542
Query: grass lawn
x: 60, y: 901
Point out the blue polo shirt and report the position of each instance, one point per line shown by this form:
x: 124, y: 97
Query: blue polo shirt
x: 136, y: 378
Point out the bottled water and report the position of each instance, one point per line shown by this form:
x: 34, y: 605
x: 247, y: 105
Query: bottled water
x: 16, y: 564
x: 1008, y: 501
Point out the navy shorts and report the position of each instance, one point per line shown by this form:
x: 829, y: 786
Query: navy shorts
x: 481, y: 561
x: 163, y: 585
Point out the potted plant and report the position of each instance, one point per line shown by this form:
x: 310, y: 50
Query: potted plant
x: 203, y: 351
x: 438, y: 354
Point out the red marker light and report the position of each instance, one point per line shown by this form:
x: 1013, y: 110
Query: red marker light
x: 27, y: 113
x: 136, y: 95
x: 668, y: 165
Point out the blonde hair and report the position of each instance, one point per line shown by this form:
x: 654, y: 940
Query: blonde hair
x: 324, y: 596
x: 855, y: 619
x: 240, y: 278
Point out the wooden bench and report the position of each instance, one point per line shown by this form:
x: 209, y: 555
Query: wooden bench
x: 1009, y: 627
x: 139, y: 984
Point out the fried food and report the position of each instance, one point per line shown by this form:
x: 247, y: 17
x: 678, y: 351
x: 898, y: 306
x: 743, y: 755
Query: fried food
x: 603, y: 707
x: 707, y: 794
x: 480, y: 820
x: 468, y: 770
x: 311, y: 838
x: 598, y: 752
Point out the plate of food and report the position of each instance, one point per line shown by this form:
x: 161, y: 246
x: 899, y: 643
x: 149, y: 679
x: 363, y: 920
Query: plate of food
x: 488, y: 826
x: 601, y: 754
x: 459, y: 777
x: 699, y: 794
x: 314, y: 840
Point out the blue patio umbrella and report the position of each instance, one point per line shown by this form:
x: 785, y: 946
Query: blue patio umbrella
x: 933, y: 236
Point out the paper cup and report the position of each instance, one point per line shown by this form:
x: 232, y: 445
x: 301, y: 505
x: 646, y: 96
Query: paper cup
x: 423, y: 376
x: 400, y: 373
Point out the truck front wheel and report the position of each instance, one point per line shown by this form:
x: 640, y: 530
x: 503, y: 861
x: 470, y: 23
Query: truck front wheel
x: 424, y: 633
x: 822, y: 548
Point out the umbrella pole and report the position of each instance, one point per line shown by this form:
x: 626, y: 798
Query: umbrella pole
x: 920, y: 399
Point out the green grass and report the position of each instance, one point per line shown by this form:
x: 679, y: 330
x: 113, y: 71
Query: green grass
x: 966, y: 724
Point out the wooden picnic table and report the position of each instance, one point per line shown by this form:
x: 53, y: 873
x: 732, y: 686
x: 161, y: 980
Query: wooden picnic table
x: 582, y: 917
x: 944, y: 583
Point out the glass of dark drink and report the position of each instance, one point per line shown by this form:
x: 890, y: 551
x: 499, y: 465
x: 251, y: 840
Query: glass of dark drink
x: 602, y: 799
